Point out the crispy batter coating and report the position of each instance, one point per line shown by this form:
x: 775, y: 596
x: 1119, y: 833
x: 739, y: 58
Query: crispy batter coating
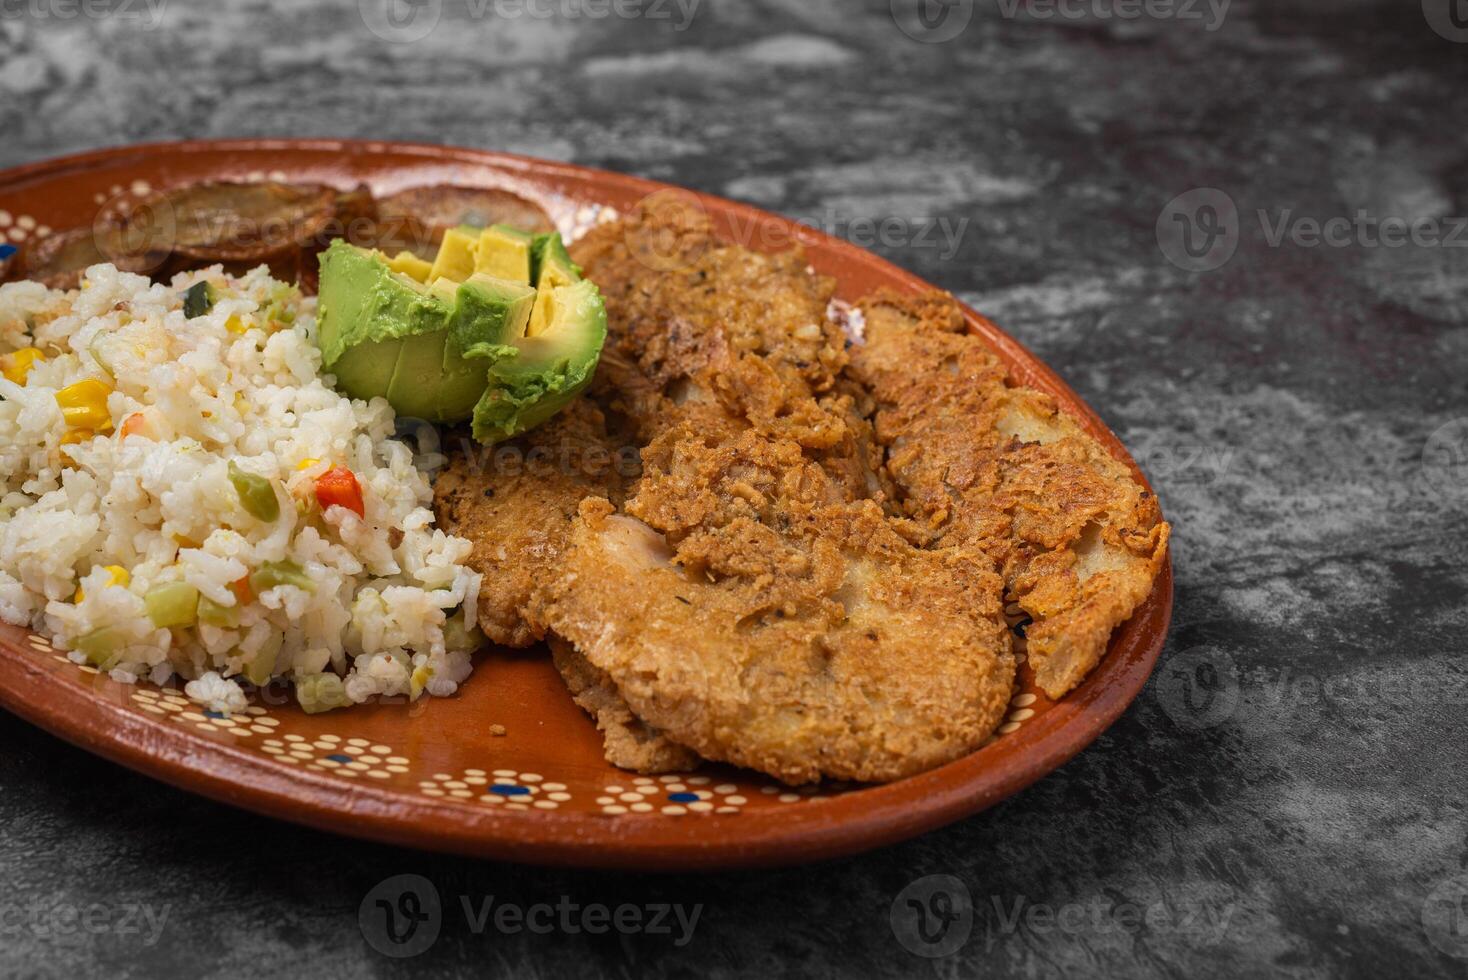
x: 515, y: 501
x: 629, y: 742
x: 805, y: 571
x: 753, y: 601
x: 724, y: 338
x: 845, y: 653
x: 984, y: 466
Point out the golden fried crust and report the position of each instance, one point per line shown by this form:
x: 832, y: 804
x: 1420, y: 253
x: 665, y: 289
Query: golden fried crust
x: 985, y: 467
x: 515, y: 501
x: 629, y: 742
x: 697, y: 310
x: 752, y: 600
x: 845, y: 653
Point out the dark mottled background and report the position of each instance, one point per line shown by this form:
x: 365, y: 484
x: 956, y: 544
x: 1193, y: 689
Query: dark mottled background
x: 1288, y: 794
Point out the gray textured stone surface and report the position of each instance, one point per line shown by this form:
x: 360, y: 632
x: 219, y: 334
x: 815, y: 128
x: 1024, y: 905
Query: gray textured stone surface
x: 1289, y: 791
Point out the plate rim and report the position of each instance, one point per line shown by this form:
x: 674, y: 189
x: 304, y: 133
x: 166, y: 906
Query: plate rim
x: 866, y: 818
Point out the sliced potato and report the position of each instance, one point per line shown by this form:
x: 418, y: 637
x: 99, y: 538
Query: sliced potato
x: 59, y: 259
x: 220, y: 221
x: 355, y: 217
x: 414, y: 220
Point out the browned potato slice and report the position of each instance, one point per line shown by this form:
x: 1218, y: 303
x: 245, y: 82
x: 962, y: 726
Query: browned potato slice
x: 59, y: 259
x: 251, y: 223
x: 355, y: 217
x: 416, y: 219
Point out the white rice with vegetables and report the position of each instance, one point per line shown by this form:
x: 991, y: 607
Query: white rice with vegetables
x: 179, y: 496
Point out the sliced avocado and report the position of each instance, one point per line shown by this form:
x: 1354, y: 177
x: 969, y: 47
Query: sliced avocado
x: 362, y: 299
x: 554, y: 269
x: 455, y: 258
x: 503, y: 252
x: 414, y: 390
x: 445, y: 349
x: 549, y: 369
x: 490, y: 314
x: 365, y: 370
x: 549, y: 247
x: 411, y: 265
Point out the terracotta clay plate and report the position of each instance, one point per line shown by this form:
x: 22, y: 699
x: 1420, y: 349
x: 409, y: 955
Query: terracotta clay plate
x: 509, y: 768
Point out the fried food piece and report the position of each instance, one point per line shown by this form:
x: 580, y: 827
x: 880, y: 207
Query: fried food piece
x: 752, y: 601
x: 516, y: 501
x: 415, y: 219
x: 726, y: 339
x: 629, y: 742
x: 224, y: 221
x: 987, y: 467
x: 839, y: 650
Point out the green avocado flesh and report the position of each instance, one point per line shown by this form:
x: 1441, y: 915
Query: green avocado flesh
x: 549, y: 369
x: 492, y: 348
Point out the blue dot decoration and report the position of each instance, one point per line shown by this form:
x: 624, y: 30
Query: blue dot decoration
x: 210, y: 713
x: 6, y: 251
x: 340, y: 758
x: 683, y: 797
x: 509, y: 789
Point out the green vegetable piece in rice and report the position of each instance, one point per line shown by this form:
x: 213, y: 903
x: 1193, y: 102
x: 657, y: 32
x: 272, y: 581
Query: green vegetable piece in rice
x: 457, y: 637
x: 212, y: 613
x: 172, y: 605
x: 273, y: 573
x: 198, y: 299
x: 257, y: 494
x: 262, y: 666
x: 321, y: 692
x: 101, y: 647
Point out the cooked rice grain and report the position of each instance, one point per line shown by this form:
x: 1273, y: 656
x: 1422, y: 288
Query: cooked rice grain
x: 241, y: 383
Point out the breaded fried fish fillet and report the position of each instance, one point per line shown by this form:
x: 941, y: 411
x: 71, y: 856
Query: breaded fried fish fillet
x: 985, y: 466
x: 847, y: 653
x: 515, y: 501
x: 628, y: 741
x: 751, y: 600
